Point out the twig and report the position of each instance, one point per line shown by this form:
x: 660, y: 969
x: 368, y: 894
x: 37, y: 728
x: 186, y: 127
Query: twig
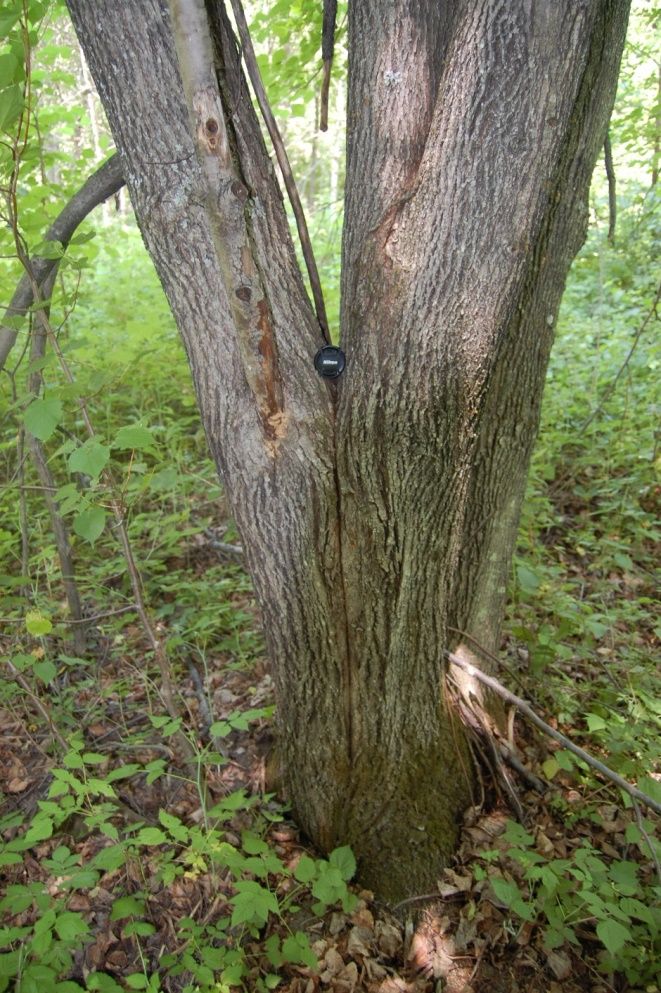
x: 106, y: 613
x: 420, y: 898
x: 25, y: 686
x: 108, y: 179
x: 527, y: 710
x: 327, y: 49
x: 649, y: 842
x: 609, y: 389
x: 37, y: 449
x: 518, y: 766
x: 612, y: 197
x: 283, y: 161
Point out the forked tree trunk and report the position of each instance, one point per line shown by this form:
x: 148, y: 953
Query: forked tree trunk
x: 378, y: 513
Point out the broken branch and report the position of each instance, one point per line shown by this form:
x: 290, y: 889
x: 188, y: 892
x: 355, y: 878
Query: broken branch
x: 535, y: 719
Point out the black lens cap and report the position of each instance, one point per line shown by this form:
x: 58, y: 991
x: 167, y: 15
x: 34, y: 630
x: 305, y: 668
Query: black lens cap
x: 330, y: 362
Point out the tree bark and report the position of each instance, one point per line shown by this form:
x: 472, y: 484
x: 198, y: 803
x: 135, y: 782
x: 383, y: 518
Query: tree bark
x: 380, y: 511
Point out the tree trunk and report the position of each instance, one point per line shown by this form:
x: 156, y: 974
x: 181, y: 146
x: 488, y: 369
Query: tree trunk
x: 378, y: 512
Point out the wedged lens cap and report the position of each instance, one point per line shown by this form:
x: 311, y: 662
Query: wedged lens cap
x: 330, y: 362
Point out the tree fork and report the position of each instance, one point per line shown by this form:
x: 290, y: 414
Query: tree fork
x: 387, y: 512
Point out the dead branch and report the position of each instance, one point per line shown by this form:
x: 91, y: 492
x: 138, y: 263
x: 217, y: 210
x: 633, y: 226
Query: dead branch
x: 612, y: 197
x: 327, y: 49
x: 527, y: 710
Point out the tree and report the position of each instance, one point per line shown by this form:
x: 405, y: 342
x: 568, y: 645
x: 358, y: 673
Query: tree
x: 378, y: 511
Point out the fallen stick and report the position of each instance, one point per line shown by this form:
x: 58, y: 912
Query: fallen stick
x: 526, y: 709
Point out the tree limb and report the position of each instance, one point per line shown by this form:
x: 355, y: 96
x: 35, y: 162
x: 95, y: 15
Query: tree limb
x: 527, y: 710
x: 283, y: 161
x: 108, y: 179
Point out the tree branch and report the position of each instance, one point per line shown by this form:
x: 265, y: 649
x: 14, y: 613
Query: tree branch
x: 612, y: 198
x: 327, y: 48
x: 108, y: 179
x: 283, y: 161
x: 527, y: 710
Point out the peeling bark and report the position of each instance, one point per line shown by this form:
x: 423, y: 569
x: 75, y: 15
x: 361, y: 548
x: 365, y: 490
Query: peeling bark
x: 379, y: 512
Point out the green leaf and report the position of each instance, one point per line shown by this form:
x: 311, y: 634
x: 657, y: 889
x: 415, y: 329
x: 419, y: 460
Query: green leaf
x: 634, y: 908
x: 528, y: 580
x: 49, y: 249
x: 89, y: 524
x: 110, y: 858
x: 134, y: 436
x: 252, y: 904
x: 40, y: 830
x: 45, y: 670
x: 613, y: 935
x: 505, y: 891
x: 17, y: 899
x: 343, y: 859
x: 595, y: 722
x: 11, y: 105
x: 550, y: 767
x: 70, y: 926
x: 253, y: 845
x: 329, y: 886
x: 37, y: 624
x: 174, y: 826
x: 306, y: 870
x: 151, y: 836
x: 90, y: 458
x: 296, y: 949
x: 137, y: 981
x: 127, y: 906
x: 104, y: 983
x: 8, y: 66
x: 42, y: 417
x: 625, y: 876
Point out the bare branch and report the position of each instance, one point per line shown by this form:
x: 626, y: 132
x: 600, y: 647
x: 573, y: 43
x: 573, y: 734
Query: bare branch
x: 612, y: 198
x: 527, y: 710
x: 327, y: 49
x: 106, y: 181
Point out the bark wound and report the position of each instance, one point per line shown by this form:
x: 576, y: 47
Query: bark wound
x: 228, y: 199
x: 275, y: 420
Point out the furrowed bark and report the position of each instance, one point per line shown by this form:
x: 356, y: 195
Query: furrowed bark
x: 382, y: 511
x: 282, y: 489
x: 461, y: 223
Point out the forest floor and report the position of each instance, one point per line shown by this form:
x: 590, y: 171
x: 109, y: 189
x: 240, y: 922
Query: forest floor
x: 146, y: 905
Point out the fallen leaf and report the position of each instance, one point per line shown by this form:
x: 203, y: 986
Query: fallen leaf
x: 559, y: 963
x: 334, y: 964
x: 347, y: 979
x: 388, y: 939
x: 17, y: 785
x: 358, y: 941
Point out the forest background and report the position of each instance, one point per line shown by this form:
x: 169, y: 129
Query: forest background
x: 139, y: 846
